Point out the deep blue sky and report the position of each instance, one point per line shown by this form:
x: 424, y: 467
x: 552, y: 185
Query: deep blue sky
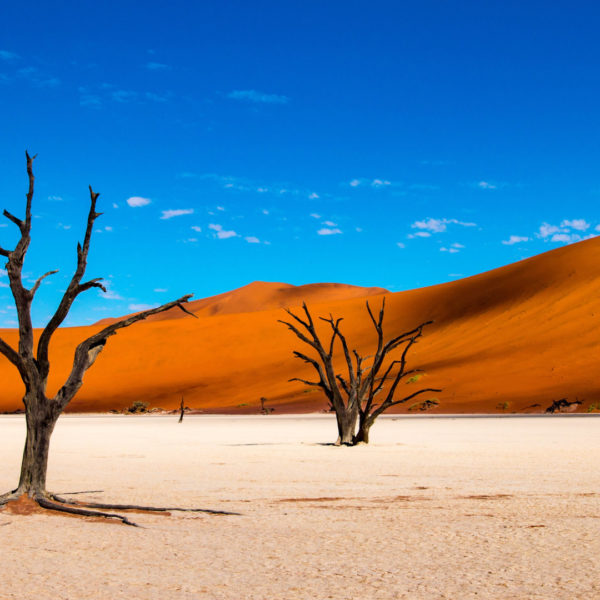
x: 396, y: 144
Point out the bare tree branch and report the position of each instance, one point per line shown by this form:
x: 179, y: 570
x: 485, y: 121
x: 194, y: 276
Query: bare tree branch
x: 39, y: 280
x: 73, y: 289
x: 20, y: 224
x: 88, y: 350
x: 363, y: 383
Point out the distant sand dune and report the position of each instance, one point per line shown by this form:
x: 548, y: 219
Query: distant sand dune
x: 503, y: 341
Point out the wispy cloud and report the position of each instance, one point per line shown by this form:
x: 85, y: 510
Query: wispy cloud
x: 329, y: 231
x: 486, y: 185
x: 7, y: 55
x: 563, y: 233
x: 374, y: 183
x: 156, y: 66
x: 453, y: 249
x: 439, y: 225
x: 421, y: 234
x: 160, y: 290
x: 177, y: 212
x: 197, y: 228
x: 258, y: 97
x: 221, y: 233
x: 252, y: 240
x: 577, y: 224
x: 37, y: 78
x: 515, y: 239
x: 136, y: 201
x: 124, y: 96
x: 139, y: 307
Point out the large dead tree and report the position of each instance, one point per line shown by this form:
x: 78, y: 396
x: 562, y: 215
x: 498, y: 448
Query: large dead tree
x: 33, y: 364
x: 354, y: 397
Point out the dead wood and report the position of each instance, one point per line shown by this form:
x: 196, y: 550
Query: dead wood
x: 352, y: 394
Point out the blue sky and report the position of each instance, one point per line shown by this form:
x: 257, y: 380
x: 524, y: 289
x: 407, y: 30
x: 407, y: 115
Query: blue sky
x: 393, y: 144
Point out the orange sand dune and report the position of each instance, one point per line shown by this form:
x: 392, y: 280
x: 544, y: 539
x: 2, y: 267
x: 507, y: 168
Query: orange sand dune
x: 262, y: 295
x: 506, y: 340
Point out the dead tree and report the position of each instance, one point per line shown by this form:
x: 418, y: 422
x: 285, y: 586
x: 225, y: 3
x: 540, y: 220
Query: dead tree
x: 181, y: 411
x: 353, y: 396
x: 33, y: 364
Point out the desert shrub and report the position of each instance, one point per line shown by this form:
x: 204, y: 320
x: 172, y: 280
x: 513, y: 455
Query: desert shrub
x: 138, y: 407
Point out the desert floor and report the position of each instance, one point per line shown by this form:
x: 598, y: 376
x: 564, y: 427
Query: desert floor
x: 437, y: 507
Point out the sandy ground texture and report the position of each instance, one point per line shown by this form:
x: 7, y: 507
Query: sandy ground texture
x: 434, y: 508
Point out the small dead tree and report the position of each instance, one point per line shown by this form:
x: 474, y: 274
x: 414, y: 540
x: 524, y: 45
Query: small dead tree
x: 41, y: 411
x: 181, y: 410
x: 352, y: 397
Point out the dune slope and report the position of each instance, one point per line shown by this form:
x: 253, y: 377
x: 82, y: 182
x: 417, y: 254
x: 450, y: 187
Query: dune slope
x: 512, y: 339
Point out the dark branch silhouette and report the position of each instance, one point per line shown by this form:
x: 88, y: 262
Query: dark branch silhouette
x: 352, y: 396
x: 42, y: 411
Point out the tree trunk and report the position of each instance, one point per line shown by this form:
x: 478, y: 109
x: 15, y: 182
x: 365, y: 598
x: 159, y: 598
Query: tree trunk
x: 362, y: 435
x: 40, y: 420
x: 346, y: 422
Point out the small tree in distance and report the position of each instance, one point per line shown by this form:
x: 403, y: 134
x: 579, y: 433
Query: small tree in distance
x: 352, y: 397
x: 41, y: 411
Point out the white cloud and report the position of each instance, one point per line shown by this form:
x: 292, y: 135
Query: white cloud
x: 252, y: 240
x: 486, y: 185
x: 327, y: 231
x: 330, y: 223
x: 380, y: 183
x: 169, y: 214
x: 161, y: 290
x: 435, y: 225
x: 375, y: 183
x: 140, y: 307
x: 313, y: 196
x: 258, y: 97
x: 547, y: 230
x: 115, y: 205
x: 400, y: 245
x: 578, y: 224
x: 3, y: 285
x: 265, y: 211
x: 136, y: 201
x: 315, y: 215
x: 439, y: 225
x: 221, y: 233
x: 110, y: 294
x: 55, y: 198
x: 221, y: 208
x: 568, y: 238
x: 192, y: 240
x: 196, y: 228
x: 63, y: 226
x: 108, y: 228
x: 421, y: 234
x: 450, y: 250
x: 515, y: 239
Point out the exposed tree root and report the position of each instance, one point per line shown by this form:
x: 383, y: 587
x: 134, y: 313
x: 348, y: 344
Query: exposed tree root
x: 72, y: 510
x: 141, y: 508
x: 94, y: 509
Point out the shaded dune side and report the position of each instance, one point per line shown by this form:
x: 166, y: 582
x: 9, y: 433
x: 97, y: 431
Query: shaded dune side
x: 523, y: 334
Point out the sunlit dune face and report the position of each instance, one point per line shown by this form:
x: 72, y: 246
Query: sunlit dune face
x: 512, y: 339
